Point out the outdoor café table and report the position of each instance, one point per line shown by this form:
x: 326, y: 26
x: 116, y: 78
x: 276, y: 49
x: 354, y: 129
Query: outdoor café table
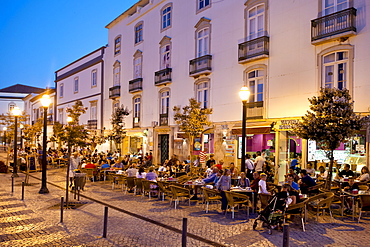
x: 196, y: 185
x: 354, y: 197
x: 247, y: 191
x: 109, y: 171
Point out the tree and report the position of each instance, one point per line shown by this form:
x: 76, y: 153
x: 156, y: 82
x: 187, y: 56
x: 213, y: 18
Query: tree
x: 192, y: 120
x: 117, y: 121
x: 330, y: 121
x: 30, y: 132
x: 8, y: 121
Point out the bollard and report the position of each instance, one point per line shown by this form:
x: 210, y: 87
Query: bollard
x: 12, y: 184
x: 105, y: 222
x: 184, y: 231
x: 286, y: 235
x: 22, y: 191
x: 61, y: 208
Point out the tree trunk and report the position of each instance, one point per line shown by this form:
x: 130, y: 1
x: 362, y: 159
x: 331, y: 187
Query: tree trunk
x: 330, y: 172
x: 191, y: 143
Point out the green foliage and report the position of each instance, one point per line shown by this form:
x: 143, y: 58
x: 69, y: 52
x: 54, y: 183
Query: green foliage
x: 31, y: 131
x: 193, y: 118
x: 330, y: 120
x: 117, y: 121
x: 7, y: 120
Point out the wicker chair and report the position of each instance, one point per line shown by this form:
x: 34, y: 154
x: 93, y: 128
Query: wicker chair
x: 90, y: 172
x: 322, y: 202
x: 297, y: 209
x: 364, y: 205
x: 148, y: 187
x: 130, y: 183
x: 179, y: 192
x: 164, y: 190
x: 210, y: 196
x: 120, y: 180
x: 235, y: 200
x: 138, y: 185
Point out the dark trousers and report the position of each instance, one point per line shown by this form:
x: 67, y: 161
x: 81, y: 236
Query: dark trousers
x: 223, y: 200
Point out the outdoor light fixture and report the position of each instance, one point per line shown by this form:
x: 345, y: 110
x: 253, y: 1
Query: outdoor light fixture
x: 16, y: 113
x: 244, y: 96
x: 69, y: 119
x: 4, y: 129
x: 45, y: 101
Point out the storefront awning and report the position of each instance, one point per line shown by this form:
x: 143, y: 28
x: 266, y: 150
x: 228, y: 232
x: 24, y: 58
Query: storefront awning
x: 255, y: 131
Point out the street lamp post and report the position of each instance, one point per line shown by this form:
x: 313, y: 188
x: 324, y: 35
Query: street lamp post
x: 16, y: 112
x: 21, y: 127
x: 69, y: 121
x: 45, y: 101
x: 244, y: 96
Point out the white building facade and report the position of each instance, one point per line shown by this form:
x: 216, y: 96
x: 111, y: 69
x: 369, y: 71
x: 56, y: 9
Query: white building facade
x: 160, y: 53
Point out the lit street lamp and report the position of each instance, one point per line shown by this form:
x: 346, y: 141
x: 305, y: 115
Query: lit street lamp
x: 244, y: 96
x: 16, y: 113
x: 45, y: 101
x: 69, y: 121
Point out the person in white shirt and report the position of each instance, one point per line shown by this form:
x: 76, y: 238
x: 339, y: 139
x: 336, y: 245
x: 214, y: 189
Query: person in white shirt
x: 364, y: 174
x: 311, y: 171
x: 258, y: 163
x: 262, y: 186
x: 141, y: 173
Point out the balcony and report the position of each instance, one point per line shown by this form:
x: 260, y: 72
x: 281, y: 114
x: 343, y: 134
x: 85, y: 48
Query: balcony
x: 163, y: 76
x: 200, y: 66
x: 115, y: 92
x: 136, y: 122
x: 341, y: 24
x: 135, y: 85
x: 255, y: 110
x: 163, y: 119
x: 253, y: 49
x: 92, y: 124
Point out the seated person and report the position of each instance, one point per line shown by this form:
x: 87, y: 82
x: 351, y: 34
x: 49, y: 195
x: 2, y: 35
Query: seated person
x: 364, y: 177
x: 290, y: 181
x: 218, y: 175
x: 323, y: 173
x: 243, y: 181
x: 295, y: 176
x: 105, y: 165
x: 349, y: 187
x: 310, y: 171
x: 118, y: 164
x: 141, y: 173
x: 211, y: 178
x: 131, y: 172
x: 305, y: 182
x: 255, y: 181
x: 151, y: 175
x: 262, y: 185
x: 346, y: 172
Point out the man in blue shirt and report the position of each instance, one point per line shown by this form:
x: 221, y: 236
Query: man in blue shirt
x: 305, y: 182
x: 290, y: 181
x: 211, y: 178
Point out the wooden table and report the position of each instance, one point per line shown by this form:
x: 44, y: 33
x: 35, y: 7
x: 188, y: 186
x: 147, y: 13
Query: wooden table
x: 245, y: 191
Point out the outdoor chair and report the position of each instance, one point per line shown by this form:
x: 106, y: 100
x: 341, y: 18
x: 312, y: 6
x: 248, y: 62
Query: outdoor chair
x: 90, y: 173
x: 236, y: 200
x: 363, y: 187
x: 322, y: 202
x: 210, y: 196
x: 164, y: 190
x: 148, y: 187
x: 297, y: 209
x: 179, y: 192
x: 119, y: 180
x: 138, y: 185
x: 313, y: 190
x: 364, y: 205
x: 264, y: 199
x: 130, y: 183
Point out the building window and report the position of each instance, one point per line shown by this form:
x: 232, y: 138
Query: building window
x: 138, y: 58
x: 75, y: 85
x: 202, y: 91
x: 166, y: 56
x: 11, y: 106
x: 139, y: 33
x: 332, y: 6
x: 255, y: 82
x: 137, y: 109
x: 203, y: 42
x: 335, y: 69
x: 116, y: 73
x: 117, y: 45
x: 166, y: 16
x: 256, y: 22
x: 165, y: 101
x: 93, y: 110
x: 94, y: 78
x: 60, y: 115
x: 115, y: 105
x: 61, y: 90
x: 203, y: 4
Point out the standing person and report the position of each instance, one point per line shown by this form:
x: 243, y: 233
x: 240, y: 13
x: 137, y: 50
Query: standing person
x: 262, y: 185
x: 74, y: 164
x: 258, y: 163
x: 210, y: 161
x: 224, y: 184
x: 250, y: 166
x: 294, y: 162
x: 234, y: 174
x: 219, y: 165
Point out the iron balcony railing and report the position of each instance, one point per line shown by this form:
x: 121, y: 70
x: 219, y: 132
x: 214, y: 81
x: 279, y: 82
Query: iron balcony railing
x: 92, y: 124
x: 254, y: 48
x: 135, y: 85
x: 114, y: 92
x: 163, y: 76
x: 333, y: 24
x: 163, y: 119
x: 200, y: 64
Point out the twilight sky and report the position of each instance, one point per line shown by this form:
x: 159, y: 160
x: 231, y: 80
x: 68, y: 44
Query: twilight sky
x: 38, y: 37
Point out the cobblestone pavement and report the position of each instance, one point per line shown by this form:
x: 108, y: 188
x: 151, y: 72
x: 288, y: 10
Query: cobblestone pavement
x: 34, y: 222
